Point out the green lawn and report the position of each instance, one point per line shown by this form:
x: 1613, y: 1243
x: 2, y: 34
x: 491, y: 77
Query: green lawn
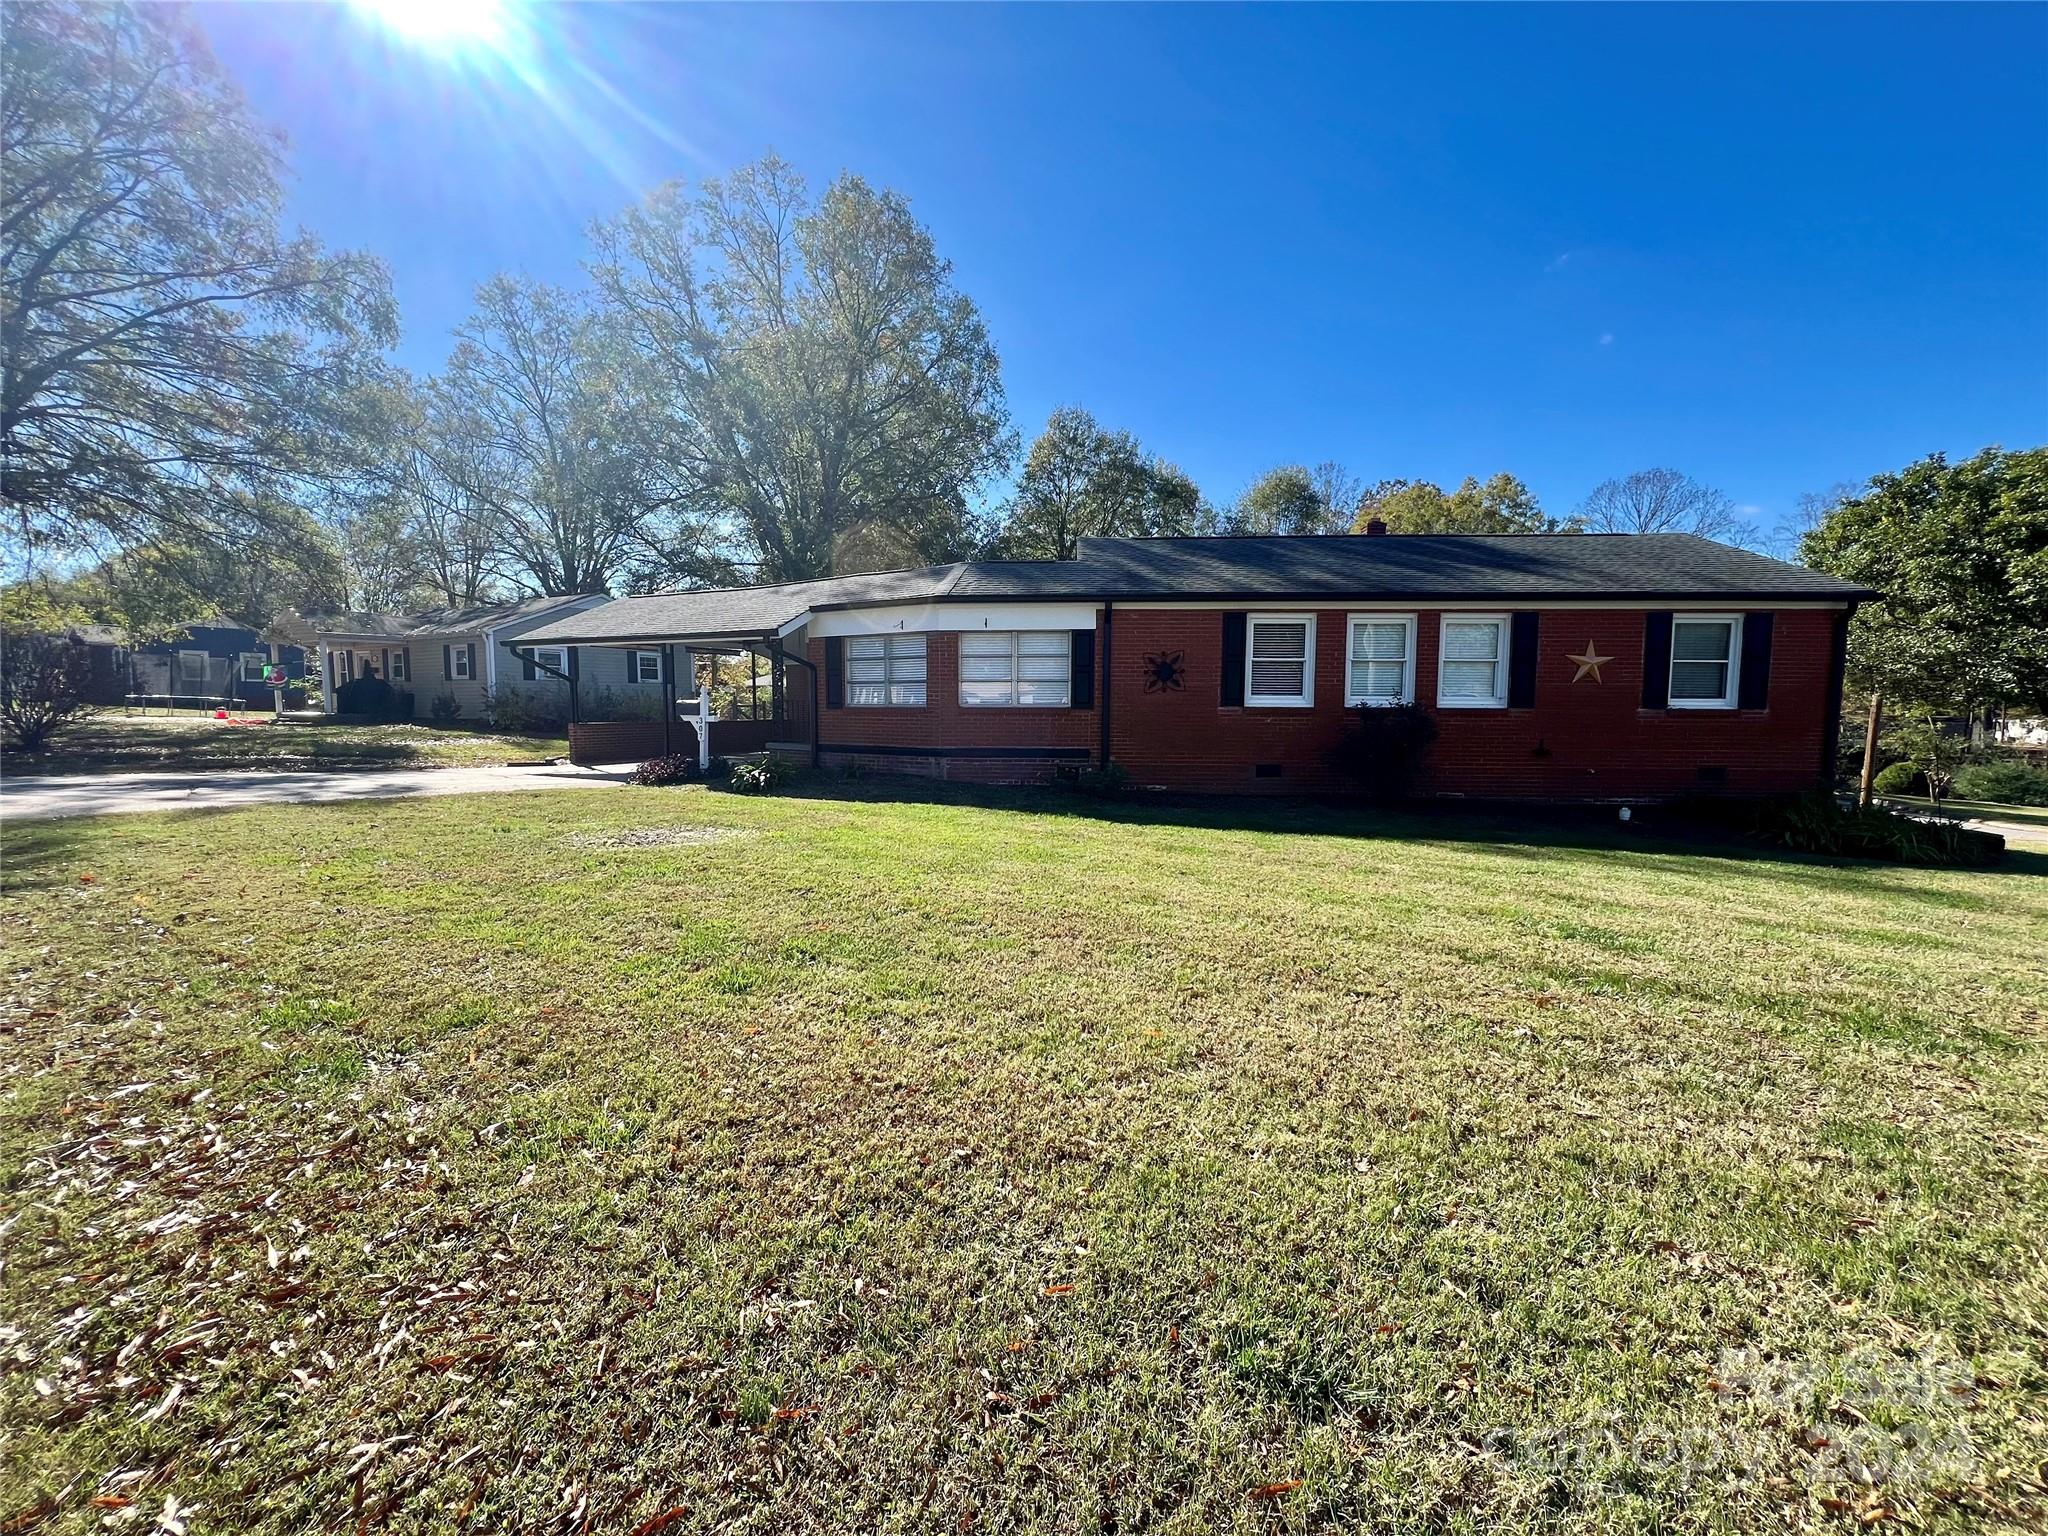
x: 112, y: 742
x: 559, y: 1162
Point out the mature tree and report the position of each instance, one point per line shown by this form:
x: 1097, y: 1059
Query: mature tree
x: 1288, y: 500
x: 1502, y: 504
x: 158, y: 588
x: 1340, y: 490
x: 171, y: 369
x: 1664, y: 501
x: 809, y: 370
x: 1960, y: 552
x: 1080, y: 481
x: 528, y: 428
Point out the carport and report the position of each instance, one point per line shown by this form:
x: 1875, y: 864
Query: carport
x: 664, y: 626
x: 769, y: 622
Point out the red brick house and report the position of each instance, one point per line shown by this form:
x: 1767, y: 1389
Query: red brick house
x: 1569, y: 666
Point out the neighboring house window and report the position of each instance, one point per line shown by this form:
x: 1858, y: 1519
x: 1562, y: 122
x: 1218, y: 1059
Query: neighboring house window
x: 555, y: 656
x: 1703, y: 661
x: 885, y: 669
x: 458, y: 661
x: 252, y: 666
x: 1027, y: 668
x: 192, y: 666
x: 1279, y: 659
x: 397, y: 667
x: 646, y: 666
x: 1381, y: 659
x: 1472, y: 663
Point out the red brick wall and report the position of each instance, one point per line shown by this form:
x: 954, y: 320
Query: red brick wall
x: 1581, y: 740
x: 945, y: 723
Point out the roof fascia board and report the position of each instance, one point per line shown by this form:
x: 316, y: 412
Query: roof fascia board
x: 1490, y: 604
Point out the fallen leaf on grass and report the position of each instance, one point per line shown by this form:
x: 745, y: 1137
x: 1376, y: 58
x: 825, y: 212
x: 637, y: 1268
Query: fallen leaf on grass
x: 30, y: 1518
x: 1275, y: 1490
x: 1058, y: 1290
x: 662, y: 1521
x: 792, y: 1413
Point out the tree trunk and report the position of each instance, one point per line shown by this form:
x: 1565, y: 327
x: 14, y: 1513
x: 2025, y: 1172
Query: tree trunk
x: 1870, y: 748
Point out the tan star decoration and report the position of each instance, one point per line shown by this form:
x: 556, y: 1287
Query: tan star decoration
x: 1589, y: 660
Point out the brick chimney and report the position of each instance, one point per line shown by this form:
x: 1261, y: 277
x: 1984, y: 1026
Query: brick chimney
x: 1376, y: 527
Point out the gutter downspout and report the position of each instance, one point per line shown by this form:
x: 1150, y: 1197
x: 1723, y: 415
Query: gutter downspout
x: 1108, y: 655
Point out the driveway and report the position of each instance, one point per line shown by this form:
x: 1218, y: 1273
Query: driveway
x: 35, y: 799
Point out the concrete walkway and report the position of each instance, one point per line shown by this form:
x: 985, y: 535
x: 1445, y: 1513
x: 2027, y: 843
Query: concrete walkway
x: 36, y: 799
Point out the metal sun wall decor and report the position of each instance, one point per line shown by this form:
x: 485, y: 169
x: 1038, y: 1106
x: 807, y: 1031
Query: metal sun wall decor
x: 1165, y: 672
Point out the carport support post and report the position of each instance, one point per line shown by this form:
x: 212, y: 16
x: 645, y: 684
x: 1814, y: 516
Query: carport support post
x: 703, y: 727
x: 668, y: 700
x: 277, y: 693
x: 327, y: 677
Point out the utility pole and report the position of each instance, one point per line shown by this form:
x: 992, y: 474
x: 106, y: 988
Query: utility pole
x: 1870, y: 747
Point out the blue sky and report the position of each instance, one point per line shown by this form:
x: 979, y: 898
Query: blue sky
x: 1775, y: 247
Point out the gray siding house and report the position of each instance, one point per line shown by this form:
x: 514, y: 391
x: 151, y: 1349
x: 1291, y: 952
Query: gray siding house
x: 468, y: 656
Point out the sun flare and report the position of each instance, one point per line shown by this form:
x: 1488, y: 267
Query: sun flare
x: 440, y: 24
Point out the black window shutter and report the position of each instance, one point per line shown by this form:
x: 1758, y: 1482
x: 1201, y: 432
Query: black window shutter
x: 835, y: 672
x: 1233, y: 659
x: 1656, y: 661
x: 405, y: 654
x: 1082, y: 694
x: 572, y: 669
x: 1522, y: 661
x: 448, y: 662
x: 528, y: 672
x: 471, y: 648
x: 1753, y: 689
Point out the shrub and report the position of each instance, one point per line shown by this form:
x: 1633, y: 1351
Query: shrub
x: 679, y: 768
x: 759, y: 775
x: 44, y: 682
x: 1109, y: 782
x: 1387, y: 749
x: 1820, y: 823
x: 2007, y: 783
x: 1900, y: 779
x: 445, y: 710
x: 603, y: 703
x: 373, y: 698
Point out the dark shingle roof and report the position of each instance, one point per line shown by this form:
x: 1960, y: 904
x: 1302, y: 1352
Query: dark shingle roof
x: 743, y: 612
x: 1651, y: 567
x: 432, y: 622
x: 1447, y: 565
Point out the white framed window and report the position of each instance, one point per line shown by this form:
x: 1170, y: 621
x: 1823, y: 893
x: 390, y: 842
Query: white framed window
x: 398, y: 667
x: 1019, y: 669
x: 458, y: 661
x: 191, y: 666
x: 643, y: 666
x: 1380, y: 659
x: 1706, y: 656
x: 1280, y: 660
x: 545, y: 656
x: 1472, y: 661
x: 252, y: 666
x: 884, y: 670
